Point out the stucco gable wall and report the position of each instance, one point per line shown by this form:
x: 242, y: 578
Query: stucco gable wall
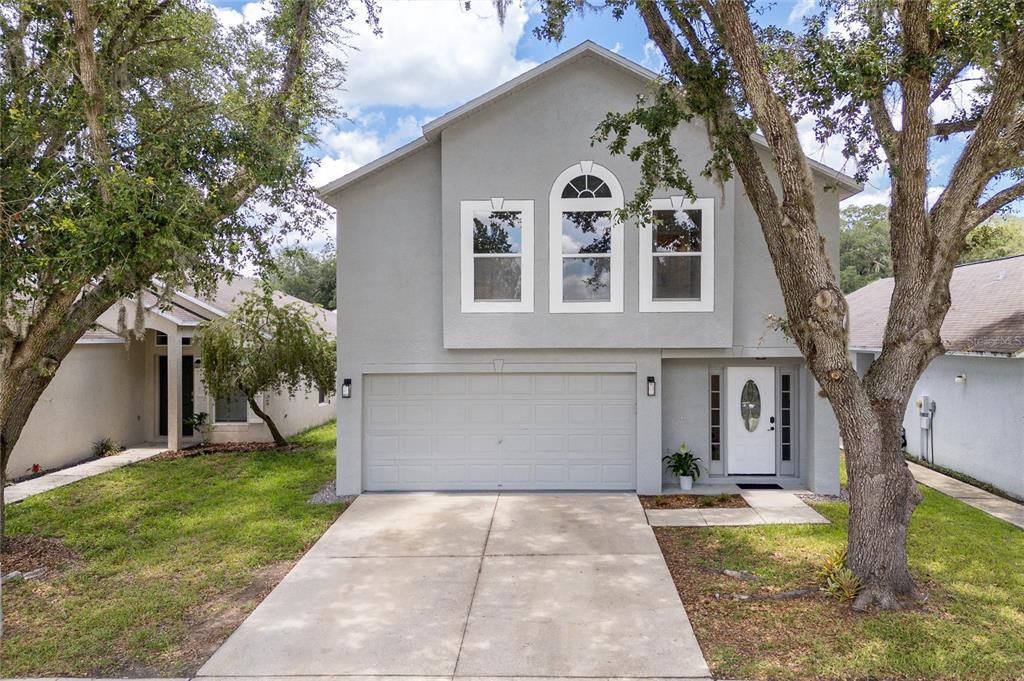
x: 515, y: 148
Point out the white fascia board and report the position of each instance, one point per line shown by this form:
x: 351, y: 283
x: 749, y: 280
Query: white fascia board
x: 373, y: 166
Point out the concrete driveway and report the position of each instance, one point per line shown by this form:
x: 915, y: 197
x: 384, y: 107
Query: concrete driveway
x: 473, y: 585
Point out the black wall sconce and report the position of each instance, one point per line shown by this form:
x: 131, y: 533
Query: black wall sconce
x: 652, y: 387
x: 346, y: 388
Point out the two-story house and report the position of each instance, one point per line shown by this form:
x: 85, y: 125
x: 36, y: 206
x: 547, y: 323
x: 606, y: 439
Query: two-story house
x: 498, y: 329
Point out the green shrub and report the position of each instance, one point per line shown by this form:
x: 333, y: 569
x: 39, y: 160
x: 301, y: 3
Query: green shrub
x: 106, y: 446
x: 837, y: 579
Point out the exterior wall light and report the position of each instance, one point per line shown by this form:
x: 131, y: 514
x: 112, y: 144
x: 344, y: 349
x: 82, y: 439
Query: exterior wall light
x: 652, y: 387
x: 961, y: 378
x: 346, y: 388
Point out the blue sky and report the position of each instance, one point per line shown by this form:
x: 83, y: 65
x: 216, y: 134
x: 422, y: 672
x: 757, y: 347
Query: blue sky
x: 434, y: 55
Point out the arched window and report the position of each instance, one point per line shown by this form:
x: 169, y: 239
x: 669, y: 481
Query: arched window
x: 585, y: 241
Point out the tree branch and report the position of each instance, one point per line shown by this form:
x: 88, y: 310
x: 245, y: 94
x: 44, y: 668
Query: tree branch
x: 994, y: 204
x: 884, y: 127
x: 93, y: 103
x: 943, y: 83
x: 952, y: 127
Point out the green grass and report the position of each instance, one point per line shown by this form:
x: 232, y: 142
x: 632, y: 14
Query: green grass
x: 971, y: 628
x: 173, y: 554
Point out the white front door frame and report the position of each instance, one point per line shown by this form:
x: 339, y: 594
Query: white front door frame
x: 751, y: 444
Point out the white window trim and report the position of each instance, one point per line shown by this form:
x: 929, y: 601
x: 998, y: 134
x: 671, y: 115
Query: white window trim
x: 250, y: 415
x: 706, y: 303
x: 525, y: 303
x: 558, y: 205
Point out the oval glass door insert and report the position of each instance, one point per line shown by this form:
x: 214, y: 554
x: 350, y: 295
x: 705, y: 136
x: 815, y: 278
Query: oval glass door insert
x: 750, y: 405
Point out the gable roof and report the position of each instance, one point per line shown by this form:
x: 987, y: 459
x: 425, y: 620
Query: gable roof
x: 228, y: 295
x: 432, y: 130
x: 986, y: 315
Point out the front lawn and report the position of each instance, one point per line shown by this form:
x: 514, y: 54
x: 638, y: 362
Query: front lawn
x: 167, y: 558
x: 971, y: 628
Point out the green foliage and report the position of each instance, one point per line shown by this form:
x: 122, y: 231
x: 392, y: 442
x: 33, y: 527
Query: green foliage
x: 306, y: 275
x: 837, y: 579
x: 265, y: 346
x: 162, y: 545
x: 192, y: 163
x: 106, y: 446
x: 683, y: 463
x: 1000, y: 237
x: 864, y: 250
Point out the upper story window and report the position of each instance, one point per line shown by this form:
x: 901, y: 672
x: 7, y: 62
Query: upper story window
x: 497, y: 256
x: 677, y: 265
x: 585, y: 241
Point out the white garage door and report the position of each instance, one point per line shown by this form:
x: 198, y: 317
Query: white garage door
x: 500, y: 431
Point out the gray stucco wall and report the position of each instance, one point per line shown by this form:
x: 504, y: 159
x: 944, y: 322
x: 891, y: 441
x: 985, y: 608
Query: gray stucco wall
x: 398, y: 268
x: 515, y: 149
x: 979, y: 424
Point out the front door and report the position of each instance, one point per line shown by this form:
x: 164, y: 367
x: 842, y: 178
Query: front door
x: 750, y: 419
x: 187, y: 390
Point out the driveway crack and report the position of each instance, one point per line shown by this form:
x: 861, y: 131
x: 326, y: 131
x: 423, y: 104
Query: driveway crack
x: 476, y: 584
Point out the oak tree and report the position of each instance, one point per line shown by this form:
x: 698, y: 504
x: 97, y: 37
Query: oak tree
x: 144, y: 140
x: 871, y: 72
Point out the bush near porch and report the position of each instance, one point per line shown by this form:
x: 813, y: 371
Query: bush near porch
x: 971, y: 628
x: 171, y: 556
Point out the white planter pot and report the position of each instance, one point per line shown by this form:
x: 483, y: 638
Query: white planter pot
x: 685, y: 482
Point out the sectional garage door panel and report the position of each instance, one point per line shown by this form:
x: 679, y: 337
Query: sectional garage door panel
x: 500, y: 431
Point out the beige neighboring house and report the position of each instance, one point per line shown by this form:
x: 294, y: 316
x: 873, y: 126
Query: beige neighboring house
x: 108, y: 388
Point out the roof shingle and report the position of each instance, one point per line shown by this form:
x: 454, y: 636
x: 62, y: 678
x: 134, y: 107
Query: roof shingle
x: 986, y: 315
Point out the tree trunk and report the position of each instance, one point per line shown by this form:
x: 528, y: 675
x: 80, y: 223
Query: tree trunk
x: 278, y: 438
x: 883, y: 496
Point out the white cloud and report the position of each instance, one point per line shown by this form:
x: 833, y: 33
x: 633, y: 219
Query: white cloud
x: 617, y: 47
x: 433, y: 53
x: 251, y: 13
x: 652, y: 59
x: 353, y: 144
x: 961, y: 96
x: 830, y: 153
x: 801, y: 8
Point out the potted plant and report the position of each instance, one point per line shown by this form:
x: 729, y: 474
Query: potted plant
x: 684, y: 464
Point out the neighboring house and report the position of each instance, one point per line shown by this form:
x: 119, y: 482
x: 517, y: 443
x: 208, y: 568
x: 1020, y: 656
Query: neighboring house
x: 977, y: 387
x: 497, y: 330
x: 106, y: 387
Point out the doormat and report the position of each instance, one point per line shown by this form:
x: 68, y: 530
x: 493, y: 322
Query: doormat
x: 758, y: 485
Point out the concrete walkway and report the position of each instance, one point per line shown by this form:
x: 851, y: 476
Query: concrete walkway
x: 473, y: 585
x: 29, y: 488
x: 767, y: 507
x: 994, y: 505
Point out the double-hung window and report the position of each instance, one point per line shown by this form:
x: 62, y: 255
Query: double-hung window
x: 585, y: 241
x: 677, y: 264
x: 497, y: 256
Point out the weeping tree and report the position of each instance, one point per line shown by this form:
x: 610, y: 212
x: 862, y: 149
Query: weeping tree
x: 872, y: 74
x: 265, y: 346
x: 145, y: 139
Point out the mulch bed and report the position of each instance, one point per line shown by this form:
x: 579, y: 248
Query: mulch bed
x: 28, y: 552
x: 220, y: 447
x: 694, y: 501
